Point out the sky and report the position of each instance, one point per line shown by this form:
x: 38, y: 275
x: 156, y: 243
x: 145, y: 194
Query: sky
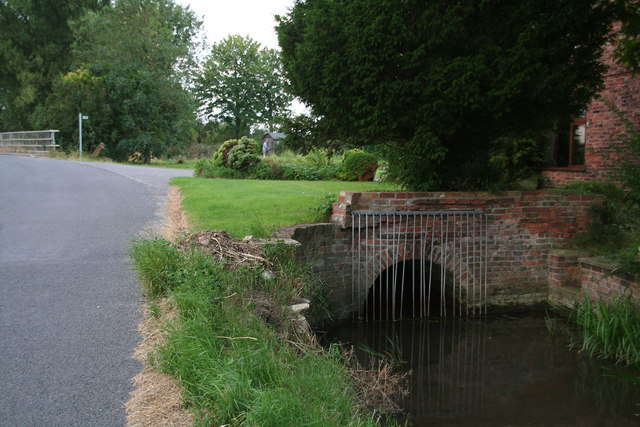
x: 253, y: 18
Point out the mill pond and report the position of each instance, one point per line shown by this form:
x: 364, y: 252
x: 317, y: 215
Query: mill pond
x: 496, y: 371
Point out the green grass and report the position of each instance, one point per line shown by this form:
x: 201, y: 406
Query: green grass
x: 252, y: 207
x: 235, y: 367
x: 610, y: 330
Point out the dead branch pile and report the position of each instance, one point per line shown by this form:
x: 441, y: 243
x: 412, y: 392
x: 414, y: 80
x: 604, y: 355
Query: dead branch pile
x: 224, y: 248
x: 380, y: 386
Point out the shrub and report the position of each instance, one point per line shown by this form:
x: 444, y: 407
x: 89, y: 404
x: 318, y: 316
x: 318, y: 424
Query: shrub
x: 318, y: 158
x: 321, y: 160
x: 329, y: 172
x: 238, y: 154
x: 299, y: 173
x: 208, y: 169
x: 607, y: 189
x: 265, y: 169
x: 222, y: 153
x: 358, y: 165
x: 288, y: 157
x: 243, y: 155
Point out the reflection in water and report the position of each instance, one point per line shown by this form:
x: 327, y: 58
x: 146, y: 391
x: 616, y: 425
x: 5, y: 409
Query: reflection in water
x: 496, y: 372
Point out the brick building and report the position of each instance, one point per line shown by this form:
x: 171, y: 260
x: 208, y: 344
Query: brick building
x: 588, y: 148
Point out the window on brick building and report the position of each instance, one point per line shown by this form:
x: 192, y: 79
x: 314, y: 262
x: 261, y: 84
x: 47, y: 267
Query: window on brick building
x: 566, y: 146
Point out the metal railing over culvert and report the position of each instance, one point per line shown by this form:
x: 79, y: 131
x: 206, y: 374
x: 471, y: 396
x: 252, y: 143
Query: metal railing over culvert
x: 419, y: 263
x: 38, y: 142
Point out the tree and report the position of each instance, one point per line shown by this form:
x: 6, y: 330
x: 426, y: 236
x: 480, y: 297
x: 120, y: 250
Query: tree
x: 35, y: 47
x: 78, y: 91
x: 628, y: 38
x: 437, y: 82
x: 242, y: 85
x: 132, y: 64
x: 304, y: 133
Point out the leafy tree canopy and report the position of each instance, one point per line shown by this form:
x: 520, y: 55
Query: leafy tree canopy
x: 35, y: 47
x: 305, y: 133
x: 131, y: 66
x: 241, y: 84
x: 437, y: 82
x: 628, y: 38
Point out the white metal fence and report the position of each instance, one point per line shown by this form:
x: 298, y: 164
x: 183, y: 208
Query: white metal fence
x: 31, y: 142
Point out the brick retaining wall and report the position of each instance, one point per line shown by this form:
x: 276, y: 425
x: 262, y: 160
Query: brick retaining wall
x: 598, y: 280
x: 573, y: 276
x: 522, y: 228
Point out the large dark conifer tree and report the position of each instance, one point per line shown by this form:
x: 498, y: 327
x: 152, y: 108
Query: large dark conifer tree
x: 438, y: 82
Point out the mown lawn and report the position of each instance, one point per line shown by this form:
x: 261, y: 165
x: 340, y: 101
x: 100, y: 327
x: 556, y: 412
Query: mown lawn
x: 252, y: 207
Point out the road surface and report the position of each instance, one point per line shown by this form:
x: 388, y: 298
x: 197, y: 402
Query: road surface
x: 69, y: 300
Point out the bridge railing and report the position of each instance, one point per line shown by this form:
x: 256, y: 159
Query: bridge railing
x: 31, y: 142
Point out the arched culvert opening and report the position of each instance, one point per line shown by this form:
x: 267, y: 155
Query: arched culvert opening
x: 410, y: 289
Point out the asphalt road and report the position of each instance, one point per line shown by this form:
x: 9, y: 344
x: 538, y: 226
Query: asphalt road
x: 69, y: 300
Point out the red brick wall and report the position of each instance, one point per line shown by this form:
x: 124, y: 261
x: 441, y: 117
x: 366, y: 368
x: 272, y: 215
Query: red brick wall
x: 598, y: 282
x: 604, y: 127
x: 563, y: 268
x: 522, y: 228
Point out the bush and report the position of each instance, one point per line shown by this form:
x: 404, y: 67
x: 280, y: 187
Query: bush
x: 243, y: 155
x: 222, y: 153
x: 288, y: 157
x: 321, y: 160
x: 329, y: 172
x: 607, y: 189
x: 299, y: 173
x: 358, y: 165
x: 318, y: 158
x: 208, y: 169
x: 265, y: 169
x: 238, y: 154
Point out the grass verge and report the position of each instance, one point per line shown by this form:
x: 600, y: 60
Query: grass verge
x: 235, y: 349
x: 252, y: 207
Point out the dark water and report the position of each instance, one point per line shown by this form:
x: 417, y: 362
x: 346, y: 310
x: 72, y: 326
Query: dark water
x: 497, y: 372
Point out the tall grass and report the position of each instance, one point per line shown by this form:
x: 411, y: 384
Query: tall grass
x: 234, y: 349
x: 610, y: 330
x: 157, y: 263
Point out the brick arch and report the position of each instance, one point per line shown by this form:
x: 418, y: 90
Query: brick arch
x: 522, y: 227
x: 379, y: 258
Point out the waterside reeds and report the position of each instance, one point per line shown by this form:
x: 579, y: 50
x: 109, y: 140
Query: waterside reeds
x: 609, y: 329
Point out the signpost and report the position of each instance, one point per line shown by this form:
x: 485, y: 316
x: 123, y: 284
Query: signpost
x: 80, y: 118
